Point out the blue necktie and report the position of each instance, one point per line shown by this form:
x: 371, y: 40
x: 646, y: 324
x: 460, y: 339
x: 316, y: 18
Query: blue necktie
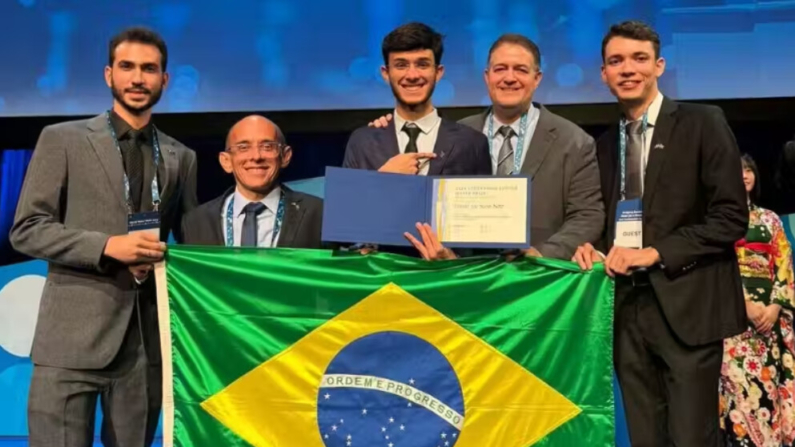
x: 249, y: 236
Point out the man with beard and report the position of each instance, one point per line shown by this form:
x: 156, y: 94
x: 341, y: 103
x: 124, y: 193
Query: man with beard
x: 418, y: 141
x: 89, y: 182
x: 258, y: 211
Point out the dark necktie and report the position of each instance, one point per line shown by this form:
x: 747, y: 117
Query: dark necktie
x: 134, y: 166
x: 249, y: 236
x: 413, y: 132
x: 634, y: 160
x: 505, y: 156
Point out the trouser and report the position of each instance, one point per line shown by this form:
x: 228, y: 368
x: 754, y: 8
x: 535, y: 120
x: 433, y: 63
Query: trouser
x: 670, y: 390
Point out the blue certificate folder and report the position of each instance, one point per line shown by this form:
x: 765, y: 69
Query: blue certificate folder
x: 362, y: 206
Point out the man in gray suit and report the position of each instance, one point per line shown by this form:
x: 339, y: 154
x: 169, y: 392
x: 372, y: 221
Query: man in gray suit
x: 526, y: 138
x: 97, y: 332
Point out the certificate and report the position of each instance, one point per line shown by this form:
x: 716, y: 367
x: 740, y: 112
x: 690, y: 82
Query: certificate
x: 466, y: 212
x: 481, y: 211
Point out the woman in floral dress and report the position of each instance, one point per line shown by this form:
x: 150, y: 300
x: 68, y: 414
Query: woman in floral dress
x: 757, y: 386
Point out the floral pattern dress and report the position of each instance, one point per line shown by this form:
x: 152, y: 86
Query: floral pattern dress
x: 757, y: 387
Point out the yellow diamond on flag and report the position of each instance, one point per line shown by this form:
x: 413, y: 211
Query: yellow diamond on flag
x: 332, y: 386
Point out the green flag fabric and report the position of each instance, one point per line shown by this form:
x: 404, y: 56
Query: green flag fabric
x: 311, y: 348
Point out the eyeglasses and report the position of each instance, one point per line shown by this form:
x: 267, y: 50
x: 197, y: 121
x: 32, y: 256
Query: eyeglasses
x: 267, y: 147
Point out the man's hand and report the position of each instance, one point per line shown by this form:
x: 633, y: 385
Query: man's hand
x: 511, y: 255
x: 621, y: 260
x: 407, y: 163
x: 768, y: 318
x: 135, y: 248
x: 430, y: 248
x: 381, y: 122
x: 140, y: 271
x: 586, y: 256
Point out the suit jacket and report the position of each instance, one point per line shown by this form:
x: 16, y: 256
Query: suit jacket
x: 459, y: 150
x: 694, y: 210
x: 303, y: 220
x: 72, y: 201
x: 566, y: 200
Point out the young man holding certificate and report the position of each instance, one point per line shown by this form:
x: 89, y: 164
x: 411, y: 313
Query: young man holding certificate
x: 672, y: 182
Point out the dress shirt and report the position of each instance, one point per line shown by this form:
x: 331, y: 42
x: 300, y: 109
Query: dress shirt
x: 426, y: 141
x: 266, y: 220
x: 533, y: 113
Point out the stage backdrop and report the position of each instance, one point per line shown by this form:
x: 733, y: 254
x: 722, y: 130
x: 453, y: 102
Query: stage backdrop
x: 313, y: 54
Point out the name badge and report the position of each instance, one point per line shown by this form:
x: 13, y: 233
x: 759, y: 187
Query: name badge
x: 149, y: 222
x: 629, y: 224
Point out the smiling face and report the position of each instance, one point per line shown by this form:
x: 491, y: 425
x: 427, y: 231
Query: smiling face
x: 412, y: 75
x: 630, y: 70
x: 136, y: 77
x: 512, y: 77
x: 255, y: 156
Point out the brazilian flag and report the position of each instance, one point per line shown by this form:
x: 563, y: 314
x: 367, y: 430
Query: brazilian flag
x: 305, y: 348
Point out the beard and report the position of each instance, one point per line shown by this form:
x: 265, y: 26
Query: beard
x: 154, y: 98
x: 407, y: 104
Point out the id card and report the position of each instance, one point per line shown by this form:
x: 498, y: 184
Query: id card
x: 149, y: 222
x: 629, y: 224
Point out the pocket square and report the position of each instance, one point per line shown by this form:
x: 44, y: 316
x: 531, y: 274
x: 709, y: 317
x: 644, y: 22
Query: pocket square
x: 659, y: 146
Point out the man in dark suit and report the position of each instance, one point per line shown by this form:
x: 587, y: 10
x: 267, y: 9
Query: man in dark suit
x: 418, y: 141
x: 257, y: 211
x: 567, y: 209
x: 678, y: 290
x: 97, y: 332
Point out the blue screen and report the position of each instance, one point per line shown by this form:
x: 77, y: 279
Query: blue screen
x: 241, y: 55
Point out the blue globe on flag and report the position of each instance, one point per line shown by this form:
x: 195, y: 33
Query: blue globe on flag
x: 390, y: 389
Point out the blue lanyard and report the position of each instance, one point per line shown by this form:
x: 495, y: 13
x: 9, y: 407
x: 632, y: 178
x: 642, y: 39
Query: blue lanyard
x: 156, y: 154
x: 622, y: 143
x: 517, y: 152
x: 277, y: 226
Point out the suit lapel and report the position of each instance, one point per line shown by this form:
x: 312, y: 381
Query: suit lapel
x: 168, y: 169
x: 544, y: 135
x: 102, y: 142
x: 293, y: 214
x: 218, y: 216
x: 657, y: 152
x: 444, y: 146
x: 387, y: 140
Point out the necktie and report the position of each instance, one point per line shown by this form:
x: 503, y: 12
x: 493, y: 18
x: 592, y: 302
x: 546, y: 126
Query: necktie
x: 134, y: 166
x: 249, y: 236
x: 634, y: 160
x: 505, y: 157
x: 413, y: 132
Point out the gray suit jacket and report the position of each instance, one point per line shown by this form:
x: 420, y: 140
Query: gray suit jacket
x: 72, y: 201
x: 566, y: 200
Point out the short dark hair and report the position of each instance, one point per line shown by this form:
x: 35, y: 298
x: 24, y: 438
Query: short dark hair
x: 411, y: 37
x: 756, y: 191
x: 635, y: 30
x: 138, y: 34
x: 517, y: 39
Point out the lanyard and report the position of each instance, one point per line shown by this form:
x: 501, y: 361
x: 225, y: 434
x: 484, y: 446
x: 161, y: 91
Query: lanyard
x: 622, y: 143
x: 277, y: 226
x: 517, y: 152
x: 156, y: 155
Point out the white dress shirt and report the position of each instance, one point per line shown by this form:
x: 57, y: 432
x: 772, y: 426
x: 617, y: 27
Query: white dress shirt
x: 651, y: 120
x: 426, y: 141
x: 533, y: 113
x: 265, y: 220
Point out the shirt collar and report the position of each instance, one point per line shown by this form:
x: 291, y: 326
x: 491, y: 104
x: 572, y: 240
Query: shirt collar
x: 426, y: 123
x: 654, y: 110
x: 271, y: 201
x: 516, y: 123
x: 123, y: 128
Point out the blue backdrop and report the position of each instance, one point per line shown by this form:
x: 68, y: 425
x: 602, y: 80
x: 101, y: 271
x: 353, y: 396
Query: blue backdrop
x: 312, y: 54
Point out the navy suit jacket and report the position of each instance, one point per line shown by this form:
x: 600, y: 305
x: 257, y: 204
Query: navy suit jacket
x: 459, y: 149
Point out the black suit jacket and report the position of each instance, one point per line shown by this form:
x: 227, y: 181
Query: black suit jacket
x: 303, y: 220
x: 459, y: 149
x: 694, y: 210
